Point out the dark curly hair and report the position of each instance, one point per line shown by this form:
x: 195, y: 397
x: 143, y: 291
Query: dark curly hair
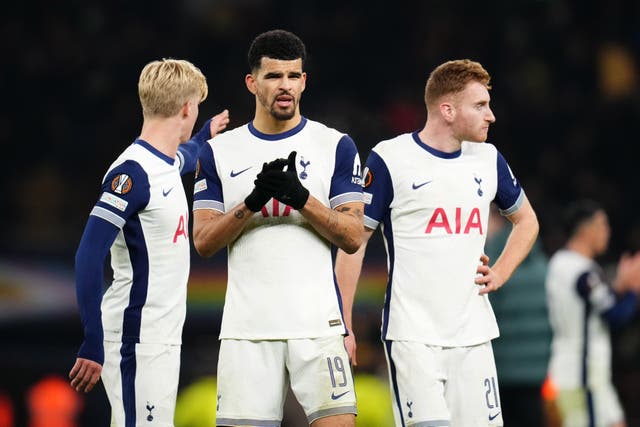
x: 275, y: 44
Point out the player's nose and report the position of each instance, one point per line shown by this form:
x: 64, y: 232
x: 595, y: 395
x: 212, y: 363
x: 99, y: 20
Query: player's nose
x: 490, y: 117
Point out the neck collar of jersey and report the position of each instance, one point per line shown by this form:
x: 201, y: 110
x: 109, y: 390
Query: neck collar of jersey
x: 154, y: 151
x: 434, y: 151
x: 275, y: 137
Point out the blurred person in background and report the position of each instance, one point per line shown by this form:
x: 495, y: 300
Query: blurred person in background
x: 430, y: 191
x: 132, y: 334
x: 522, y: 350
x: 583, y: 307
x: 282, y: 321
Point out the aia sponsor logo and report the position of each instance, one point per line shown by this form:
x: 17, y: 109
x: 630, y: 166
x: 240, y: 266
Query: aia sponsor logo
x: 275, y: 208
x: 454, y: 222
x: 181, y: 229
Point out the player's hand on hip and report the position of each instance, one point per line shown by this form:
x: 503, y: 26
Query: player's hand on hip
x: 85, y: 374
x: 351, y: 346
x: 487, y: 278
x: 484, y: 259
x: 219, y: 122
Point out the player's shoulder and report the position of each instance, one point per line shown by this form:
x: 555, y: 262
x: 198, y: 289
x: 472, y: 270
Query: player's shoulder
x: 230, y: 136
x: 478, y: 147
x: 393, y: 145
x: 131, y: 158
x: 127, y: 169
x: 321, y: 128
x: 565, y: 259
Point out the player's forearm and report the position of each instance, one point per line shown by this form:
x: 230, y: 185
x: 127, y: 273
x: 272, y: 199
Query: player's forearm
x: 520, y: 241
x: 94, y: 246
x: 348, y: 268
x: 213, y: 230
x: 342, y: 226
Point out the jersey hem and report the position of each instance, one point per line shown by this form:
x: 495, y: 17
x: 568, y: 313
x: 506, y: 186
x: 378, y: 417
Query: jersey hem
x: 446, y: 344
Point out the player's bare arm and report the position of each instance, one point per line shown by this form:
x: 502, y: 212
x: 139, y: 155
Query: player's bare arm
x: 342, y: 226
x: 348, y: 268
x: 85, y: 374
x: 521, y: 239
x: 214, y: 230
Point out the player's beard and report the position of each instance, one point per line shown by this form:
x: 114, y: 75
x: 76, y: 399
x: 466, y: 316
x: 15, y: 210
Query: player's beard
x: 279, y: 113
x: 283, y: 115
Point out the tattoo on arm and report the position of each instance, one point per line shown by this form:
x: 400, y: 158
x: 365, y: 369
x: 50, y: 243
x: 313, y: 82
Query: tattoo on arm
x: 356, y: 212
x: 238, y: 214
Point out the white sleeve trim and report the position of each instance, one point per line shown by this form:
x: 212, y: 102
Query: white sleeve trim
x: 208, y: 204
x: 514, y: 208
x: 370, y: 223
x: 341, y: 199
x: 109, y: 216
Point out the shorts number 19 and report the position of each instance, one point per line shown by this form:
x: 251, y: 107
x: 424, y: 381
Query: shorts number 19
x: 336, y: 366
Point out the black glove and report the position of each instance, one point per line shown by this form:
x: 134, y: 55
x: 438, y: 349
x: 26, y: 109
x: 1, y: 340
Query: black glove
x: 259, y: 196
x: 284, y: 186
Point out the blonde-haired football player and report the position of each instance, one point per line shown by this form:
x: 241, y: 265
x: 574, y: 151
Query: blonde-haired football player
x: 132, y: 333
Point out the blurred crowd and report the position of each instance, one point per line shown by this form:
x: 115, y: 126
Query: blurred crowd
x: 565, y: 78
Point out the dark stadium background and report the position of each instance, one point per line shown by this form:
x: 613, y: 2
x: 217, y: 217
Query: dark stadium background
x: 565, y: 93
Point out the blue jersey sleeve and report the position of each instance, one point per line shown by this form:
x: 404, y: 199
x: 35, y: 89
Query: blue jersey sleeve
x: 509, y: 196
x: 92, y: 251
x: 615, y: 309
x: 378, y: 190
x: 207, y: 190
x: 125, y: 191
x: 346, y: 182
x: 189, y: 151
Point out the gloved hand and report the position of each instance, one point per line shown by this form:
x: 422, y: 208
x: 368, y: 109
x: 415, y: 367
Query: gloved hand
x: 259, y: 196
x: 284, y: 185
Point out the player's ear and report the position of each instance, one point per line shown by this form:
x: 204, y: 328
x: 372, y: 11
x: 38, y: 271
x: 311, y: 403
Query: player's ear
x: 250, y: 81
x: 447, y: 110
x: 304, y: 81
x: 186, y: 109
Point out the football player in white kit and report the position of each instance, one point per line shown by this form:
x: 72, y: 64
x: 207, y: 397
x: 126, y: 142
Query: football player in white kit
x: 582, y: 309
x: 132, y: 334
x: 281, y: 192
x: 430, y: 191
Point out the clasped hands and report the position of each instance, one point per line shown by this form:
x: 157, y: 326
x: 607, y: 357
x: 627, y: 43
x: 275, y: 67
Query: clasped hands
x: 282, y: 185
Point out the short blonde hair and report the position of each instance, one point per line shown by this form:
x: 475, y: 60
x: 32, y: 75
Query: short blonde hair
x: 452, y: 77
x: 165, y: 86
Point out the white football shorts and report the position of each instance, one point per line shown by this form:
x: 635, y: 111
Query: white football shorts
x: 435, y: 386
x: 254, y: 376
x: 141, y: 381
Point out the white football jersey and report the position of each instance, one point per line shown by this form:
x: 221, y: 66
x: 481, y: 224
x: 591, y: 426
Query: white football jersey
x: 433, y: 208
x: 581, y: 347
x: 144, y: 197
x: 281, y: 283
